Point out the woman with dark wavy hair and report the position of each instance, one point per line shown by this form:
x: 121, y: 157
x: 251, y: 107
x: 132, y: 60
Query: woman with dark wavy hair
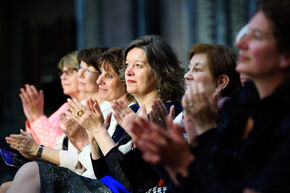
x: 163, y: 61
x: 150, y: 62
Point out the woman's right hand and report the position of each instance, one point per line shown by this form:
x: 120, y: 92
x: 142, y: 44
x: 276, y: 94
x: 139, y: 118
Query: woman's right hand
x: 24, y: 143
x: 123, y: 114
x: 32, y: 102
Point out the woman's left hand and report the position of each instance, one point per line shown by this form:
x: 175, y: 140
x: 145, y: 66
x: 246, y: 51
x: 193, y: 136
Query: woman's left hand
x: 159, y: 113
x: 159, y: 146
x: 123, y: 114
x: 24, y: 143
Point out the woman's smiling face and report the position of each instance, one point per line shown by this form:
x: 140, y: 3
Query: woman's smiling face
x: 110, y: 84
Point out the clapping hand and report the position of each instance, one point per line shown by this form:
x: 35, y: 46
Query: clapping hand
x: 125, y: 116
x: 76, y: 133
x: 201, y: 108
x: 159, y: 113
x: 32, y: 102
x: 24, y: 143
x: 89, y: 117
x: 159, y: 146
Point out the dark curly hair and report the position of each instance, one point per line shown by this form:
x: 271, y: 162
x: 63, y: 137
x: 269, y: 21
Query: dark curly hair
x: 164, y: 64
x: 278, y: 12
x: 90, y: 56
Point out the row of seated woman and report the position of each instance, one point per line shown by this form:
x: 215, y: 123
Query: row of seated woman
x: 131, y: 127
x: 149, y: 82
x: 99, y: 78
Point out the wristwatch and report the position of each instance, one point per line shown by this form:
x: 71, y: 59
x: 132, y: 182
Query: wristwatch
x: 39, y: 152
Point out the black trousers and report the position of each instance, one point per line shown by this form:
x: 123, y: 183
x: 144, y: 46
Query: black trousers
x: 7, y: 173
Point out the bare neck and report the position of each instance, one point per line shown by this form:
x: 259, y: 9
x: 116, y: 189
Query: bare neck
x: 81, y: 96
x: 123, y: 98
x: 77, y: 95
x: 266, y: 86
x: 94, y: 96
x: 147, y: 100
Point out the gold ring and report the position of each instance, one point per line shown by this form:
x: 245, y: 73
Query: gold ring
x: 80, y: 113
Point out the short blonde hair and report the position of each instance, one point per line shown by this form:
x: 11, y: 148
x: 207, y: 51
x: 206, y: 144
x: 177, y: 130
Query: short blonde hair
x: 70, y: 60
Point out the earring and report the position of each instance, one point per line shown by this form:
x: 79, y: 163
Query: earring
x: 158, y: 89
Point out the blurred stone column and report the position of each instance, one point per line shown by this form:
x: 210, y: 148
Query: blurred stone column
x: 205, y: 21
x: 238, y: 13
x: 191, y: 20
x: 221, y: 22
x: 89, y: 23
x: 252, y: 8
x: 117, y: 22
x: 175, y: 26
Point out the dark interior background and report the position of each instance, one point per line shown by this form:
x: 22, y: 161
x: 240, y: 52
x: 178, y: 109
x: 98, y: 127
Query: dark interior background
x: 35, y: 34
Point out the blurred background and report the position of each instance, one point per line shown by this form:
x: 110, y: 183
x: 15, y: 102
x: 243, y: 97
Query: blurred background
x: 35, y: 34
